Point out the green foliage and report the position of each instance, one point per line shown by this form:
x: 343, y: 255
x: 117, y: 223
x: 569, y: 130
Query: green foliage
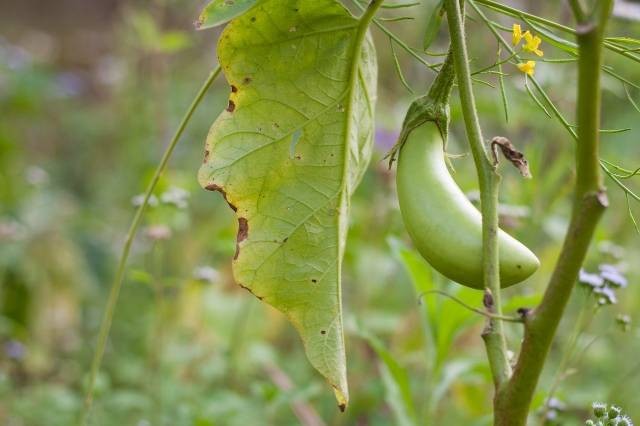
x: 396, y: 381
x: 288, y: 153
x: 433, y: 25
x: 219, y: 12
x: 82, y: 129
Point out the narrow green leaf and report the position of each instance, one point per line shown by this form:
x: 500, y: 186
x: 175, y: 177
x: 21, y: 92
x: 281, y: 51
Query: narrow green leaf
x: 620, y: 78
x: 219, y: 12
x: 396, y: 381
x: 451, y: 373
x: 503, y: 89
x: 553, y: 39
x: 623, y: 40
x: 626, y: 129
x: 633, y: 103
x: 303, y: 80
x: 400, y: 5
x: 573, y: 126
x: 398, y: 67
x: 420, y: 273
x: 535, y: 99
x: 458, y: 318
x: 397, y: 19
x: 440, y: 334
x: 631, y: 216
x: 411, y: 51
x: 433, y: 25
x: 622, y: 186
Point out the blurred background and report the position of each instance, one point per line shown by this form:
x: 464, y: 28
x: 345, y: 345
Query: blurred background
x: 90, y: 93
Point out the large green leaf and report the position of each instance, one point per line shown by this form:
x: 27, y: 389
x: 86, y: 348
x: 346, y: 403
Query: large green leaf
x: 287, y: 154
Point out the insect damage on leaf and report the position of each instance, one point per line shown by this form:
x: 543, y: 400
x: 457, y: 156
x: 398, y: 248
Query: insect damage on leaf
x: 217, y: 188
x: 243, y: 233
x: 287, y: 154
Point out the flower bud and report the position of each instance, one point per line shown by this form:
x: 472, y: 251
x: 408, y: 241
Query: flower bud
x: 625, y: 421
x: 599, y: 409
x: 614, y: 411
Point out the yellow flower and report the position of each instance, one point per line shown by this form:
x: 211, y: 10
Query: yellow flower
x: 517, y: 34
x: 531, y: 44
x: 528, y: 67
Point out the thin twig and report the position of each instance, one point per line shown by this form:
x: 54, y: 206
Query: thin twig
x: 471, y: 308
x: 114, y: 292
x: 399, y: 41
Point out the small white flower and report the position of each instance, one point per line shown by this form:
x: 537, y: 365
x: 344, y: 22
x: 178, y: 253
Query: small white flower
x: 176, y: 196
x: 158, y: 232
x: 206, y: 273
x: 137, y: 200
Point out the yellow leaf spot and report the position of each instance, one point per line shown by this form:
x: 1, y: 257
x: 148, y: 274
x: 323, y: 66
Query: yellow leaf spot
x: 531, y: 44
x: 528, y: 67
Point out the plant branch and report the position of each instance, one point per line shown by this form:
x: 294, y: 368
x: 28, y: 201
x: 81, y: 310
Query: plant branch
x: 489, y: 181
x: 552, y: 107
x: 114, y: 292
x: 471, y: 308
x: 513, y: 401
x: 516, y: 13
x: 411, y: 51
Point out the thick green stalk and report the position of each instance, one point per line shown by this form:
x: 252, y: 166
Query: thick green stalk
x: 489, y: 181
x: 576, y: 7
x: 514, y: 399
x: 107, y: 318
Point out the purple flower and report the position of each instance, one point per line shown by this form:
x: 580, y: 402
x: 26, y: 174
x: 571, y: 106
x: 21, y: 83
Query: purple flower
x: 612, y: 275
x: 14, y: 349
x: 608, y: 296
x: 591, y: 280
x: 385, y: 139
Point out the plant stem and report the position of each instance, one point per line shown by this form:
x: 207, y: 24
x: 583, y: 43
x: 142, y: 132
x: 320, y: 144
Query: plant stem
x: 513, y: 401
x: 489, y: 181
x: 577, y: 10
x: 471, y: 308
x: 114, y: 292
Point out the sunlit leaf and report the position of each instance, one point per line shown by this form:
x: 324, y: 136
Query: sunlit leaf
x: 219, y: 12
x: 302, y: 79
